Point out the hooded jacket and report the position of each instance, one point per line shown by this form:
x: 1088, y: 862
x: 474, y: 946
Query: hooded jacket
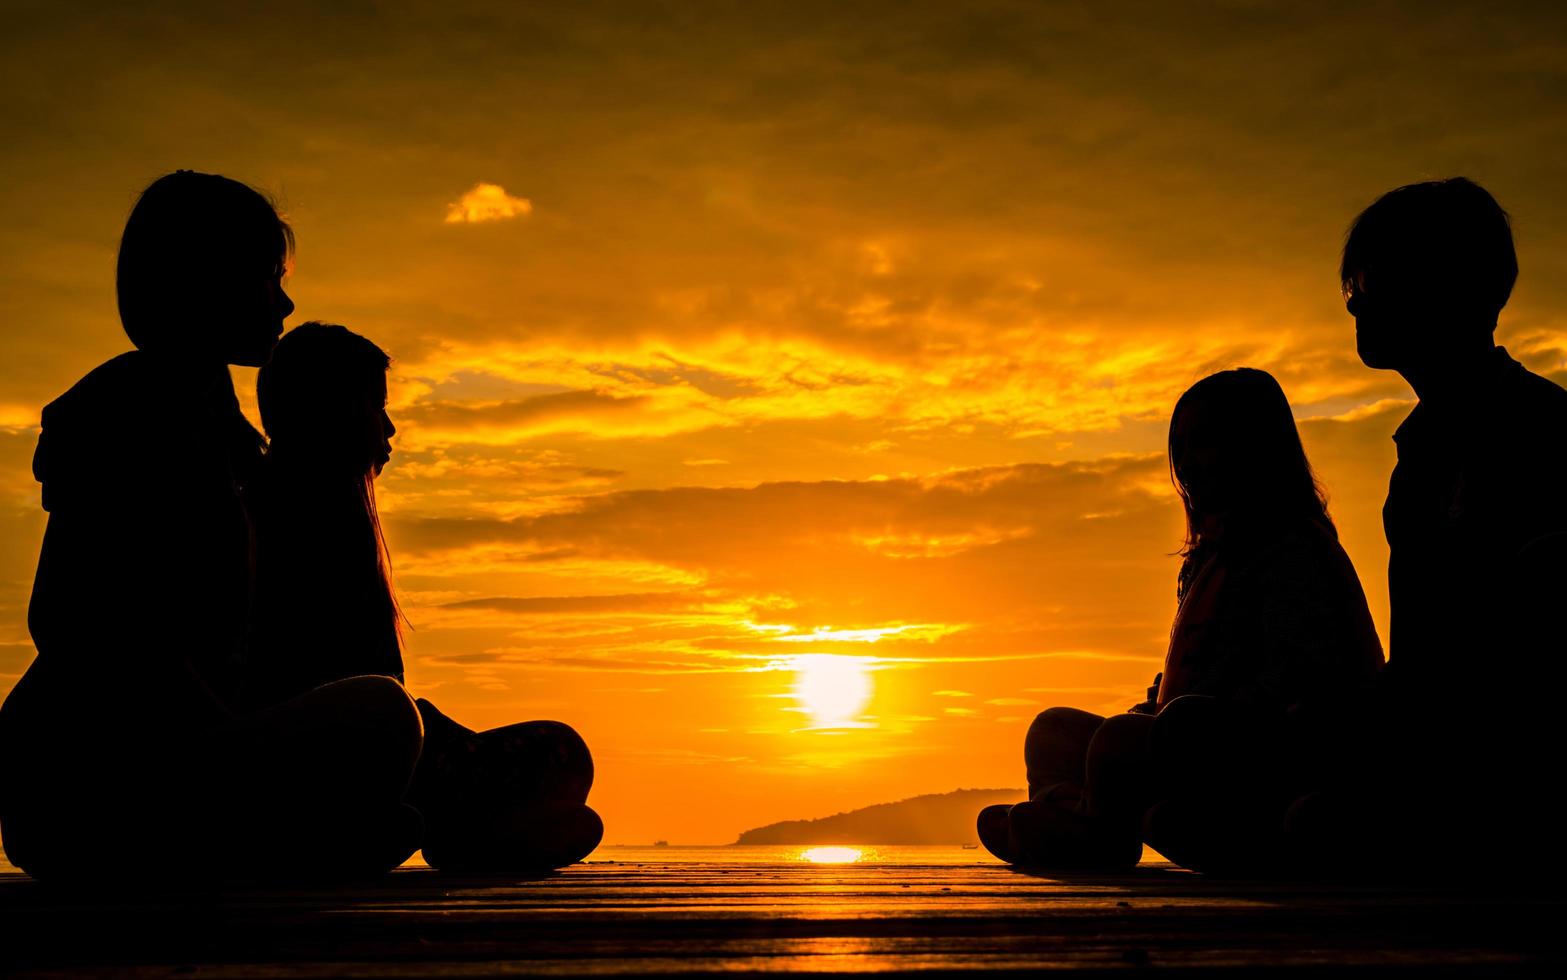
x: 143, y: 581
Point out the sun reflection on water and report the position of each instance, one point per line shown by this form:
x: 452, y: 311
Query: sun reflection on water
x: 832, y: 855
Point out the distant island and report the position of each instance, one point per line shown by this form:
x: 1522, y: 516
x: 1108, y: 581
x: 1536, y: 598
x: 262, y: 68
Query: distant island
x: 935, y: 818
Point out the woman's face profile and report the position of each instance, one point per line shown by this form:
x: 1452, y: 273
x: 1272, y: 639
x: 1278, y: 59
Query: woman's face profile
x: 254, y: 321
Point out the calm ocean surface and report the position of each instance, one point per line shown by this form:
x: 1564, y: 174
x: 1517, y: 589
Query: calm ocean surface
x: 777, y: 854
x: 792, y: 854
x: 800, y: 853
x: 770, y: 854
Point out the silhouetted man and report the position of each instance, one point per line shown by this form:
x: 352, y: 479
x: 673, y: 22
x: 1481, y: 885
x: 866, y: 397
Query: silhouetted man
x: 1468, y: 749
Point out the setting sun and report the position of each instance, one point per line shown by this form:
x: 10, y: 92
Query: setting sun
x: 831, y: 855
x: 833, y: 689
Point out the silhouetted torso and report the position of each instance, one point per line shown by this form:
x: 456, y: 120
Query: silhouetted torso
x: 321, y: 611
x: 143, y: 579
x: 1467, y: 497
x: 1275, y: 623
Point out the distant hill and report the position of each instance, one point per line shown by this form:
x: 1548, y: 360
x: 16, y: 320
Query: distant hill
x: 936, y: 818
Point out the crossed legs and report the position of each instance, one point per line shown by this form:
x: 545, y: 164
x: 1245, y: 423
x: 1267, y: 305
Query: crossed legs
x: 1088, y: 781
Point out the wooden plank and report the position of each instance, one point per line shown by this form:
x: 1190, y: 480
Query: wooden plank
x: 648, y: 919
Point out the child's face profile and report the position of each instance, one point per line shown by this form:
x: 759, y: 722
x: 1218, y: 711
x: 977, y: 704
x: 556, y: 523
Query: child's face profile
x: 379, y: 428
x: 1199, y: 461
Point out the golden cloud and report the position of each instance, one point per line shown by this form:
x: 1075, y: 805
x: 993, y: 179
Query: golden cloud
x: 486, y: 202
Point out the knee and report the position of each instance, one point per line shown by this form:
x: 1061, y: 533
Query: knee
x: 1188, y: 707
x: 1119, y: 752
x: 1187, y: 721
x: 570, y: 749
x: 1057, y: 727
x: 1063, y: 721
x: 558, y: 756
x: 1122, y: 735
x: 1064, y: 717
x: 382, y: 708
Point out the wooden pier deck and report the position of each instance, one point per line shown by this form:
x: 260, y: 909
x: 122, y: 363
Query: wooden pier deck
x: 648, y: 919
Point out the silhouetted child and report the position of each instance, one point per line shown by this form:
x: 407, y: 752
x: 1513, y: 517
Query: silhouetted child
x: 1271, y: 617
x: 123, y: 735
x: 512, y: 798
x: 324, y: 607
x: 1466, y: 739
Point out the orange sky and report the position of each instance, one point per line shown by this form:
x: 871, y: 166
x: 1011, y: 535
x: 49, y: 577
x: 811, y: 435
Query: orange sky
x: 730, y: 335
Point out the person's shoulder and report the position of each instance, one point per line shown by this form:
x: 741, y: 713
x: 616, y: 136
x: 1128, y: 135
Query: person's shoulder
x: 108, y: 431
x: 1299, y: 549
x: 1537, y: 418
x: 1543, y: 394
x: 98, y: 388
x: 1515, y: 386
x: 125, y: 384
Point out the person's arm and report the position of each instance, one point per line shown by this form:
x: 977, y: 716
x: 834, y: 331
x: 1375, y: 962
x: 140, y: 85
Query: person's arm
x: 1150, y: 703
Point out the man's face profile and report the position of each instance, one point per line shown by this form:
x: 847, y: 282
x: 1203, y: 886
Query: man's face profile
x: 1398, y: 322
x: 1381, y: 322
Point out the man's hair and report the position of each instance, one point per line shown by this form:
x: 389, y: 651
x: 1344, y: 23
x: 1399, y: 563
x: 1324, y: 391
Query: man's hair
x: 1448, y: 238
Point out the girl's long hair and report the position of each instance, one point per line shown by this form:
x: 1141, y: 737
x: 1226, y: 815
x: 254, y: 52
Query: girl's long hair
x: 1261, y: 472
x: 318, y: 482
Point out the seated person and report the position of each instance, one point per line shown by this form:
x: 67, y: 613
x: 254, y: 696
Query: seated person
x: 1466, y: 747
x: 513, y: 798
x: 1270, y: 617
x: 124, y: 736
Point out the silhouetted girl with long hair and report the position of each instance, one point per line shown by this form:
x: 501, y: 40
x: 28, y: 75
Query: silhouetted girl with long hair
x: 511, y: 798
x: 128, y: 734
x: 324, y: 606
x: 1271, y: 621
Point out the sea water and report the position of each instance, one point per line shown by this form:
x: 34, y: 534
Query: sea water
x: 793, y: 854
x: 779, y: 854
x: 759, y: 854
x: 870, y: 854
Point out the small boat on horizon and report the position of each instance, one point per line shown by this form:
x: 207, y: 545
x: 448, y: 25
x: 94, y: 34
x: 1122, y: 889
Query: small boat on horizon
x: 661, y: 843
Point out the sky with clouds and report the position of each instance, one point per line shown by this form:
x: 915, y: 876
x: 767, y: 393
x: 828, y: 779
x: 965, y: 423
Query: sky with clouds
x: 730, y: 334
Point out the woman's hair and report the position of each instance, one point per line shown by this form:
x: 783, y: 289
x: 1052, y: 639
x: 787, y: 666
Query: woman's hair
x: 316, y: 396
x: 189, y: 241
x: 1260, y: 465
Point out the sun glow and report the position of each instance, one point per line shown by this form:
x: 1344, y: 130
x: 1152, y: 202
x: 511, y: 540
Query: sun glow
x: 831, y: 855
x: 833, y: 689
x: 824, y: 634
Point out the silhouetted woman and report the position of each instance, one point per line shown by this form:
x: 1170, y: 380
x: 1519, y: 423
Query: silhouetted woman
x: 511, y: 798
x: 123, y: 736
x: 1271, y: 625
